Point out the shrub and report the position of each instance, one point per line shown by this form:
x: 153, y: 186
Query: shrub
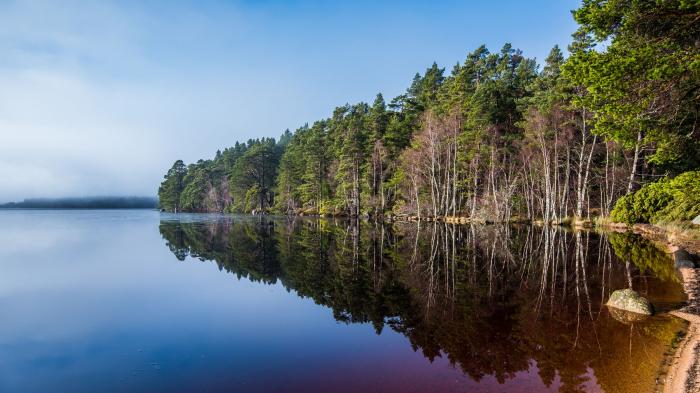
x: 624, y: 210
x: 666, y: 200
x: 685, y: 203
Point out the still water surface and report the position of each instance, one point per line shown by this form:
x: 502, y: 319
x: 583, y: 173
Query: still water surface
x: 139, y: 301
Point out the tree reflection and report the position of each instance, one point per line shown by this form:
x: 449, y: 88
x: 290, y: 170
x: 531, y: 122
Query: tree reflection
x: 492, y: 299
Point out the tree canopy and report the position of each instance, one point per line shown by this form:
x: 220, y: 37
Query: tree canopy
x: 496, y: 138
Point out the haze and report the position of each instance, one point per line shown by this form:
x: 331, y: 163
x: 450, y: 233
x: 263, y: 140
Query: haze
x: 100, y: 98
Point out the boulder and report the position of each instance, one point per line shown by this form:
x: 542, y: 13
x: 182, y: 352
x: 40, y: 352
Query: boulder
x: 627, y: 317
x: 629, y: 300
x: 696, y: 220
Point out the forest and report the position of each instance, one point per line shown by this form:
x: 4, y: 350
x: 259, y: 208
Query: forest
x: 609, y: 130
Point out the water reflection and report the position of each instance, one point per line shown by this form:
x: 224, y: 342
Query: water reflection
x: 495, y: 301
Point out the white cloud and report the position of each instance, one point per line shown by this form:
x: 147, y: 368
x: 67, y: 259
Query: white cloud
x: 88, y: 108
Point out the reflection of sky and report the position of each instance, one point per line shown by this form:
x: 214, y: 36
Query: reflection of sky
x: 95, y: 301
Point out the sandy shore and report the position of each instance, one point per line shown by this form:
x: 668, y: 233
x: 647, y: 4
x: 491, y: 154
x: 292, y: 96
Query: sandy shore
x: 684, y: 372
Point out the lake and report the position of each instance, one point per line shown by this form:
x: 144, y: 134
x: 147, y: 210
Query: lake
x: 137, y: 300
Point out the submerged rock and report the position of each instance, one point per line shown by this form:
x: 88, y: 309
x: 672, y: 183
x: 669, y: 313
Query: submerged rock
x: 627, y: 317
x: 629, y: 300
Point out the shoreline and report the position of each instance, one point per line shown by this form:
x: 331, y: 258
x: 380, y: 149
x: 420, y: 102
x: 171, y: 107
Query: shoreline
x: 683, y: 375
x: 684, y: 235
x: 684, y: 371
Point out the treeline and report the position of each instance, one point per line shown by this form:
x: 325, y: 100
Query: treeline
x: 106, y: 202
x: 495, y: 139
x: 242, y: 178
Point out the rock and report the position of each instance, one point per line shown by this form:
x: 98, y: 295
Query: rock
x: 696, y: 220
x: 683, y: 259
x: 627, y: 317
x: 629, y: 300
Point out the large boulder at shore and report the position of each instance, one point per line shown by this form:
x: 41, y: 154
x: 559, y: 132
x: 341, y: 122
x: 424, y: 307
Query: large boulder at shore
x: 629, y: 300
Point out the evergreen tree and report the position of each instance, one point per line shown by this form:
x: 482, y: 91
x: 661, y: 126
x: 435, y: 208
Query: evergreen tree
x: 171, y: 188
x: 644, y: 87
x: 253, y: 176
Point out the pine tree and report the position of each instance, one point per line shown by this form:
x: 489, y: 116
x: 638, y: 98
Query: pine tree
x: 171, y: 188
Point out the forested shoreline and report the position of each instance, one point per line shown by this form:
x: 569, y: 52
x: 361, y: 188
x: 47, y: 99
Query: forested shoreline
x: 604, y: 131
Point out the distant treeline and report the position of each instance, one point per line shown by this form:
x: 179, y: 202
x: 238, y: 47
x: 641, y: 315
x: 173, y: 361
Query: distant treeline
x: 109, y: 202
x: 496, y: 138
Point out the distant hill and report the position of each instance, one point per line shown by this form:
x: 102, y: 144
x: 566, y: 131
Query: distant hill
x: 107, y: 202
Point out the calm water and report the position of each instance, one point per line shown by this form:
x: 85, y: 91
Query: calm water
x: 136, y: 301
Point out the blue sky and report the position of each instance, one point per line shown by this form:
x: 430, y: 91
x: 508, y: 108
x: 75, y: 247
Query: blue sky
x: 100, y: 97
